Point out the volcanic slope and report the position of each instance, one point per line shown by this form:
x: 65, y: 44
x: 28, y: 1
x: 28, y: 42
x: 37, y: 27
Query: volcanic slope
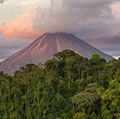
x: 45, y: 47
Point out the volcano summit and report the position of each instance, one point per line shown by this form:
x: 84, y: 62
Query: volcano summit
x: 43, y: 49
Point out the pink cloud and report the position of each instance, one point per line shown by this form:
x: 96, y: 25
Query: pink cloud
x: 116, y: 10
x: 21, y: 27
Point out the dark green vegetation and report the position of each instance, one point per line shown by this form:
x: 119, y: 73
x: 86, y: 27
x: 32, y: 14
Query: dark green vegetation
x: 67, y: 87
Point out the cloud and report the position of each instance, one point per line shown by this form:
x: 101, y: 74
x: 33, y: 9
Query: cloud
x: 21, y: 27
x: 13, y: 8
x: 76, y: 16
x: 22, y: 2
x: 25, y: 2
x: 116, y: 10
x: 108, y: 44
x: 2, y: 1
x: 7, y: 47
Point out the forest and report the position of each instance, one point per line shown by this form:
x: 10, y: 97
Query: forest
x: 67, y: 87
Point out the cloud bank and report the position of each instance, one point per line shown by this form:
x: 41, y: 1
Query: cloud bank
x: 86, y: 18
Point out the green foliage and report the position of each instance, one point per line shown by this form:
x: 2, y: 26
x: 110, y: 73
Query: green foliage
x: 80, y: 115
x: 66, y: 87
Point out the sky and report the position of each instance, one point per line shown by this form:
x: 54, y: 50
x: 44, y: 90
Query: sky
x: 95, y: 21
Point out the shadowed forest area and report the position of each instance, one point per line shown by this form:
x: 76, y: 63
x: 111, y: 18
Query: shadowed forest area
x: 66, y: 87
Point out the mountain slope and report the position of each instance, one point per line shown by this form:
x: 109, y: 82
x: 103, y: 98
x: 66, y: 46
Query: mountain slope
x: 45, y: 47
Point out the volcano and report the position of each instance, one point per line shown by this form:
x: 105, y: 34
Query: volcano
x: 43, y: 49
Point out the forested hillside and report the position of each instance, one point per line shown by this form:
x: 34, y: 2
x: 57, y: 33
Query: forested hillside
x: 67, y: 87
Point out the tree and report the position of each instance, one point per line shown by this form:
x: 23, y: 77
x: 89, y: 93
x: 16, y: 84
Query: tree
x: 68, y: 86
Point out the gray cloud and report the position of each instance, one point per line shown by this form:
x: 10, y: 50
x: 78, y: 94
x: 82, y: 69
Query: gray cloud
x: 108, y: 44
x: 8, y: 47
x: 2, y: 1
x: 87, y: 19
